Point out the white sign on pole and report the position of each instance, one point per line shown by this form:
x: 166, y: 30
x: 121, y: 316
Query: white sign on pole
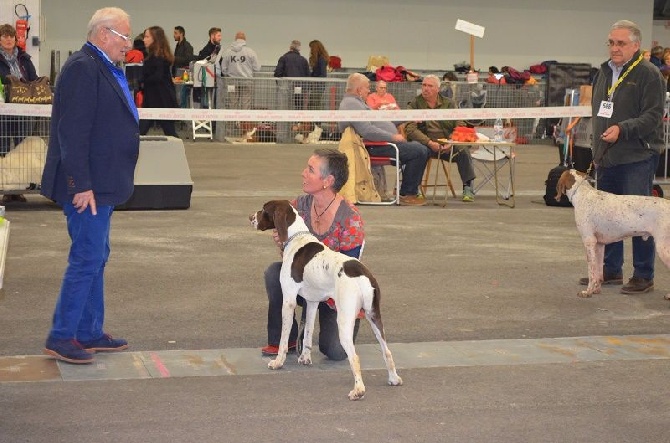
x: 470, y: 28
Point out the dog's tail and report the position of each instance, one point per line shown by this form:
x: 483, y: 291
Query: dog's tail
x: 354, y: 268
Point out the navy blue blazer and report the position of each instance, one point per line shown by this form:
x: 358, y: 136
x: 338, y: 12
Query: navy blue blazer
x: 95, y: 138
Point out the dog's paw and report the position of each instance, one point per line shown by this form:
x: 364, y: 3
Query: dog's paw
x: 357, y: 394
x: 275, y: 364
x: 305, y: 358
x: 395, y: 381
x: 584, y: 294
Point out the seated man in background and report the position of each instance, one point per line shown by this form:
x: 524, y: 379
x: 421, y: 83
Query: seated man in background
x: 413, y: 155
x: 381, y: 99
x: 428, y: 132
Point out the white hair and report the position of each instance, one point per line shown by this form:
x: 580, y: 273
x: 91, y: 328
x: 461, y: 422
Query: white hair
x: 105, y: 17
x: 631, y: 27
x: 434, y: 78
x: 355, y: 80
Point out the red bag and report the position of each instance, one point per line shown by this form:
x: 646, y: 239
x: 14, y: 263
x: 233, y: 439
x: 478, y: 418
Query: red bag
x: 334, y: 62
x: 386, y: 73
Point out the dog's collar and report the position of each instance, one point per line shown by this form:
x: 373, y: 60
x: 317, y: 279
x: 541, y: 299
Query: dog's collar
x: 297, y: 234
x: 584, y: 180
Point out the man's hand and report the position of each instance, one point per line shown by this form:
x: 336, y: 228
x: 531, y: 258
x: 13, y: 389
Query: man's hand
x: 611, y: 134
x: 83, y: 200
x: 399, y: 138
x: 435, y: 146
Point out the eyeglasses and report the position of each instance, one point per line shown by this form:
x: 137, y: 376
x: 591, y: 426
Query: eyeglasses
x: 125, y: 37
x: 617, y: 44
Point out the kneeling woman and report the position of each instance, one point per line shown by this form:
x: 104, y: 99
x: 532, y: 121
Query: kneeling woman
x: 335, y: 222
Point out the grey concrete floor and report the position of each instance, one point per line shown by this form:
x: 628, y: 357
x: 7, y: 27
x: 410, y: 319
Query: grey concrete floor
x: 464, y: 277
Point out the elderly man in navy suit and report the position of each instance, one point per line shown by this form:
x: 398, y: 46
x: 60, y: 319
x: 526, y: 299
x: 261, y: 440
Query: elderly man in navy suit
x: 89, y: 169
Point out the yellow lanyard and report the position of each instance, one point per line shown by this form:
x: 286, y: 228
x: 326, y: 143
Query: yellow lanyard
x: 610, y: 91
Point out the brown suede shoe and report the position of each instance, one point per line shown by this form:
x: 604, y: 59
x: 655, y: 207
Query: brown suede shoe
x: 607, y: 280
x: 412, y: 200
x: 637, y: 285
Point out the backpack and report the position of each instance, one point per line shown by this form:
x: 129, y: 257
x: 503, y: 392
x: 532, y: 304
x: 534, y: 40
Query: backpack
x: 551, y: 182
x: 515, y: 77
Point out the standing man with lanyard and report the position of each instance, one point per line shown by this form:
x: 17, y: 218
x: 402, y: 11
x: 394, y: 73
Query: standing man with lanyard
x: 627, y: 107
x: 89, y: 169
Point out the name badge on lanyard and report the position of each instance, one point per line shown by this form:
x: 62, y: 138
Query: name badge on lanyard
x: 606, y: 109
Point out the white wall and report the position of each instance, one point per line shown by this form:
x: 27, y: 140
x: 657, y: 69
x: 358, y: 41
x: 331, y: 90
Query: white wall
x: 418, y: 34
x: 660, y: 33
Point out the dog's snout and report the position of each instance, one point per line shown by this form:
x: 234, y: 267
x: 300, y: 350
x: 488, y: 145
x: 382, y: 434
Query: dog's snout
x: 253, y: 219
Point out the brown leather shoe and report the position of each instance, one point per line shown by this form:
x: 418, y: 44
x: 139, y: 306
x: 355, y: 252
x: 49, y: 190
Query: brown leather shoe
x: 637, y: 285
x: 607, y: 280
x: 412, y: 200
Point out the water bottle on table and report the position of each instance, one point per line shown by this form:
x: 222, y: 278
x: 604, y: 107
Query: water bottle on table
x: 498, y: 130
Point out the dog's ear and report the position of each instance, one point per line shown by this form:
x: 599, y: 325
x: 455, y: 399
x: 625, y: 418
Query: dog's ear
x: 280, y: 218
x: 265, y: 217
x: 565, y: 182
x: 560, y: 186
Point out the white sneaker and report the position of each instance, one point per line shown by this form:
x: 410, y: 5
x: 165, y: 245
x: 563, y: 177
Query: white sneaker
x: 300, y: 138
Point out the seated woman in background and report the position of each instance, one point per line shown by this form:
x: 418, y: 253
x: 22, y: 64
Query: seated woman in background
x: 335, y: 222
x: 157, y: 85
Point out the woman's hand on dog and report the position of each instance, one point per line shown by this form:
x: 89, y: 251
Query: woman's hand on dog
x: 279, y: 243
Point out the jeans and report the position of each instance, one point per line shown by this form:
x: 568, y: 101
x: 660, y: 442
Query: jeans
x: 463, y: 161
x: 329, y: 338
x: 630, y: 179
x: 80, y: 309
x: 413, y: 157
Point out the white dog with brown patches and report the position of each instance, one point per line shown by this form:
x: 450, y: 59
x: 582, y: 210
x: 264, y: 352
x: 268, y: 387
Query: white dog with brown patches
x: 312, y: 270
x: 603, y: 218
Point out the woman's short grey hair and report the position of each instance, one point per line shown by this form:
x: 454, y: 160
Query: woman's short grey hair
x: 633, y: 29
x: 335, y: 164
x: 105, y: 17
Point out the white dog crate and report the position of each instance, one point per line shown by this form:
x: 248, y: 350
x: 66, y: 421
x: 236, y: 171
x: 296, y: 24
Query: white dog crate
x: 23, y: 146
x: 162, y: 176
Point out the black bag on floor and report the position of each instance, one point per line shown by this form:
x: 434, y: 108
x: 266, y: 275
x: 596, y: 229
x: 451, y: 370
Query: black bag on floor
x: 552, y: 181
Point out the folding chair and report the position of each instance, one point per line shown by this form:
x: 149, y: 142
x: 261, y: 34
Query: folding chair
x: 489, y: 160
x: 382, y: 160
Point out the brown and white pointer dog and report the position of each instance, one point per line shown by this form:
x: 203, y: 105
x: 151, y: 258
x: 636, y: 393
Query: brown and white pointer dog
x: 603, y: 218
x: 312, y: 270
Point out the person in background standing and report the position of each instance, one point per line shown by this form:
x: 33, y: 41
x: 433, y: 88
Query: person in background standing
x: 157, y: 84
x: 211, y: 49
x: 183, y: 51
x: 240, y: 62
x: 627, y: 107
x: 90, y: 168
x: 209, y: 52
x: 292, y: 64
x: 318, y: 65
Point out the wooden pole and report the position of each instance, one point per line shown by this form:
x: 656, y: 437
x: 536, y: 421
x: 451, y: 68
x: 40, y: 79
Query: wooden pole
x: 472, y: 53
